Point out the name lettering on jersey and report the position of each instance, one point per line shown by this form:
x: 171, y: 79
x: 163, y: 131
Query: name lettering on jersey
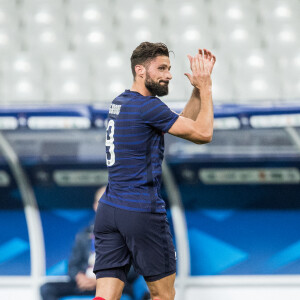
x: 114, y: 109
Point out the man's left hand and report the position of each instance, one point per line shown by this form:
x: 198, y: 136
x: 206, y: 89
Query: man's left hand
x: 208, y: 59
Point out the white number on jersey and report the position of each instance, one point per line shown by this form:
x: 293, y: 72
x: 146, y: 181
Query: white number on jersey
x: 110, y: 143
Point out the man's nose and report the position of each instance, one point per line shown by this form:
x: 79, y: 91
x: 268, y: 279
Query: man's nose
x: 169, y: 75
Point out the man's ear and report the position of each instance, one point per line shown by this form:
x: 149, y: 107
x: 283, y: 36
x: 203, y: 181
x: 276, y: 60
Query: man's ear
x: 140, y: 71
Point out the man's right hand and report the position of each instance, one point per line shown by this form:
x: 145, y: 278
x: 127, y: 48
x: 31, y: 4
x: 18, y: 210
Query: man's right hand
x: 209, y: 58
x: 201, y: 65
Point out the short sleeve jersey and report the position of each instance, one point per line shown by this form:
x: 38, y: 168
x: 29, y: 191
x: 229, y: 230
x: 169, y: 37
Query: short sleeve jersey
x: 135, y: 150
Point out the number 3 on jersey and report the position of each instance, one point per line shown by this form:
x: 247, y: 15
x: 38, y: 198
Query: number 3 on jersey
x: 110, y: 143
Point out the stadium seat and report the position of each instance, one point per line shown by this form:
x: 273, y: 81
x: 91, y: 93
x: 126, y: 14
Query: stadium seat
x: 9, y: 41
x: 92, y: 40
x: 9, y: 16
x: 290, y: 66
x: 177, y: 91
x: 89, y: 11
x: 106, y: 91
x: 189, y: 39
x: 138, y: 22
x: 24, y: 90
x: 69, y: 78
x: 72, y: 88
x: 290, y: 76
x: 222, y: 80
x: 280, y: 25
x: 227, y: 15
x: 22, y: 65
x: 256, y: 76
x: 180, y: 88
x: 23, y: 77
x: 254, y: 62
x: 8, y: 4
x: 132, y: 13
x: 34, y: 5
x: 46, y: 40
x: 238, y: 41
x: 129, y: 38
x: 178, y: 14
x: 42, y: 14
x: 68, y: 63
x: 44, y: 28
x: 111, y: 76
x: 87, y: 16
x: 188, y: 26
x: 275, y: 13
x: 291, y: 90
x: 285, y: 41
x: 222, y: 91
x: 99, y: 92
x: 112, y: 64
x: 263, y: 87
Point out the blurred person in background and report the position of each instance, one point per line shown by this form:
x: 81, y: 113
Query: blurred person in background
x: 131, y: 226
x: 82, y: 280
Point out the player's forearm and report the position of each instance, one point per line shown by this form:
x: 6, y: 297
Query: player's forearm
x: 199, y: 131
x: 205, y: 119
x: 192, y: 108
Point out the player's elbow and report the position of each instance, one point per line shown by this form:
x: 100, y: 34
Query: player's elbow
x: 203, y: 138
x: 207, y: 139
x: 203, y: 134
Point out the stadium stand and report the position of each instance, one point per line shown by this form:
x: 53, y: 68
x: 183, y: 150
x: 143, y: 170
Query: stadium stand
x: 93, y: 30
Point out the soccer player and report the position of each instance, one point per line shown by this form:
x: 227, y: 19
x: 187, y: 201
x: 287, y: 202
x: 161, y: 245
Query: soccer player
x: 131, y: 226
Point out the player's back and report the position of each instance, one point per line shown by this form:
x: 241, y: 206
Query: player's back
x: 134, y: 151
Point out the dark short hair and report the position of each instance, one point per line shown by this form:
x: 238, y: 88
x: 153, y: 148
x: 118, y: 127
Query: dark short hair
x: 145, y: 52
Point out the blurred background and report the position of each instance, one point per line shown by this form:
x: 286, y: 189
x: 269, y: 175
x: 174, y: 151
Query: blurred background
x: 233, y: 204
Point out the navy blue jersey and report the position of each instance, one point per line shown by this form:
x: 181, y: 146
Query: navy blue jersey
x: 135, y: 150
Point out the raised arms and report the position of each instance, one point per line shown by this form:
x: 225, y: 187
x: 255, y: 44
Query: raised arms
x: 196, y: 121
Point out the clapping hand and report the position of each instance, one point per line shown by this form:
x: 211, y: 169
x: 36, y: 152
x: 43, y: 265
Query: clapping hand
x: 208, y: 58
x: 201, y: 66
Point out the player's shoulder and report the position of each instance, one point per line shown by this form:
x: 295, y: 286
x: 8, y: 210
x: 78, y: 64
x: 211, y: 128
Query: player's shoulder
x: 151, y: 99
x: 131, y: 97
x: 135, y: 101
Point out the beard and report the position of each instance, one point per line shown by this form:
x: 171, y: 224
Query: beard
x: 155, y: 88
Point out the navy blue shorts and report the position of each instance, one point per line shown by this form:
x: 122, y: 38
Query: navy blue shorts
x: 142, y: 239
